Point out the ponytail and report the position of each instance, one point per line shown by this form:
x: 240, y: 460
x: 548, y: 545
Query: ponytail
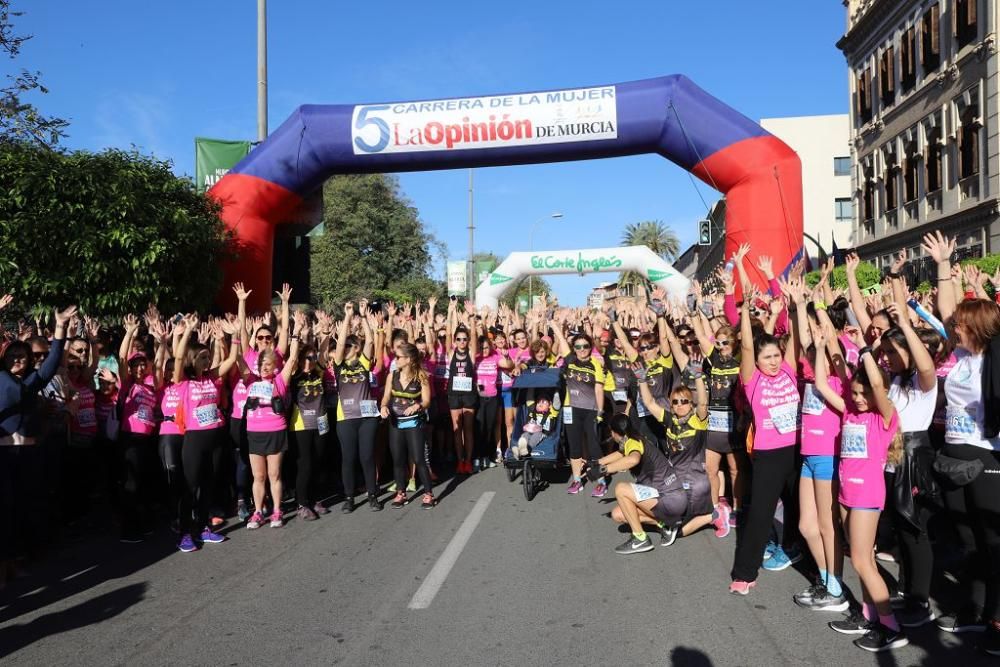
x: 895, y: 453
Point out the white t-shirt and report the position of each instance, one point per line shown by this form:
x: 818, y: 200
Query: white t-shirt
x: 964, y: 391
x: 914, y: 406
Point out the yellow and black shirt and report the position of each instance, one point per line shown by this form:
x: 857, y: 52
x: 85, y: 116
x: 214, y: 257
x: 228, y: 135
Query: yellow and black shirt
x: 354, y: 388
x: 582, y: 375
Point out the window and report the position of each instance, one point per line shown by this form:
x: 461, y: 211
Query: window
x: 863, y: 97
x: 868, y: 194
x: 843, y: 209
x: 910, y: 158
x: 932, y: 154
x: 887, y: 77
x: 968, y: 144
x: 963, y: 22
x: 908, y: 60
x: 889, y: 178
x: 842, y: 166
x: 930, y: 40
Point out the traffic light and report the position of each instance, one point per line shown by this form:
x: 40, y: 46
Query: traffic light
x: 704, y: 232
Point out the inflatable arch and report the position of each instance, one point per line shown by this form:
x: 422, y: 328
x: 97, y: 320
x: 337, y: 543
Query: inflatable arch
x: 760, y: 176
x: 636, y: 258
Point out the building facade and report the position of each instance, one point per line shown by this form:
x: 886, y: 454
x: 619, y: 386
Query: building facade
x: 823, y: 144
x: 923, y: 121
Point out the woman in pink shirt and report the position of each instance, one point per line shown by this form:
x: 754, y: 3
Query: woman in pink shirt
x: 489, y: 363
x: 518, y: 354
x: 870, y: 438
x: 267, y: 426
x: 203, y: 426
x: 771, y: 385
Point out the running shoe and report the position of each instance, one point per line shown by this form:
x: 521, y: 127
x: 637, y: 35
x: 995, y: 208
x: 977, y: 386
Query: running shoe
x: 720, y: 519
x: 320, y: 508
x: 399, y: 500
x: 307, y: 514
x: 130, y: 538
x: 778, y: 560
x: 854, y: 624
x: 242, y: 511
x: 599, y: 491
x: 768, y: 550
x: 210, y: 537
x: 187, y: 545
x: 741, y: 587
x: 475, y: 466
x: 880, y: 638
x: 428, y: 502
x: 885, y: 557
x: 575, y: 488
x: 255, y: 521
x: 915, y: 614
x: 411, y: 486
x: 348, y: 505
x: 634, y: 545
x: 277, y: 519
x: 823, y: 600
x: 668, y: 535
x: 374, y: 504
x: 392, y: 488
x: 805, y: 597
x: 965, y: 621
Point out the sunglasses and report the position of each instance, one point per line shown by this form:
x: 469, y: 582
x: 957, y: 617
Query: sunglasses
x: 723, y: 342
x: 39, y: 355
x: 680, y: 401
x: 461, y: 340
x: 647, y: 348
x: 311, y: 357
x: 265, y: 338
x: 441, y: 337
x: 582, y: 346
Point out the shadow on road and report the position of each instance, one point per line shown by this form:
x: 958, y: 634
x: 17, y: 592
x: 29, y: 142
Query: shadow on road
x: 16, y: 637
x: 689, y: 657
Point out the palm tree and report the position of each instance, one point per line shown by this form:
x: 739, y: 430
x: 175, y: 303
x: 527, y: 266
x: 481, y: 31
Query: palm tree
x: 656, y: 236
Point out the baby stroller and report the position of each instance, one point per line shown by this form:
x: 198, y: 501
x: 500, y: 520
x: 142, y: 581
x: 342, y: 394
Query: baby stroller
x: 546, y: 454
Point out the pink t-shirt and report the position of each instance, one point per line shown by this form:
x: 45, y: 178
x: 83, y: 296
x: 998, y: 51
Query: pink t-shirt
x: 139, y: 407
x: 201, y: 404
x: 169, y: 402
x: 84, y: 422
x: 820, y: 423
x: 487, y: 370
x: 440, y: 375
x: 850, y: 349
x: 263, y: 419
x: 239, y: 394
x: 251, y: 356
x: 775, y: 403
x: 864, y: 444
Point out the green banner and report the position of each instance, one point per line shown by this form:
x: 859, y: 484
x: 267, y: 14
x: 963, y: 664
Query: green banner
x: 214, y: 157
x: 483, y: 269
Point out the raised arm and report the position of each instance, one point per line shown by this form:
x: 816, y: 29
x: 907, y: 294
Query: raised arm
x: 300, y: 329
x: 338, y: 352
x: 835, y: 400
x: 190, y: 323
x: 241, y: 314
x: 940, y: 248
x: 626, y: 345
x: 747, y: 361
x: 220, y: 330
x: 131, y: 324
x: 286, y: 295
x: 883, y: 404
x: 701, y: 396
x: 854, y: 293
x: 673, y: 344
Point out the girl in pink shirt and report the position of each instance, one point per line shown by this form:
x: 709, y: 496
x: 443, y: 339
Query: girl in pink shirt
x: 489, y: 363
x: 267, y: 434
x: 869, y: 438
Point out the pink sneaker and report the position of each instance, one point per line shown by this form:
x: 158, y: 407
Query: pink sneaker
x: 741, y: 587
x: 599, y: 490
x: 720, y: 519
x: 576, y: 487
x: 277, y: 519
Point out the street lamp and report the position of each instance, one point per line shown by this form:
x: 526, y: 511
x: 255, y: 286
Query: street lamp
x: 531, y: 248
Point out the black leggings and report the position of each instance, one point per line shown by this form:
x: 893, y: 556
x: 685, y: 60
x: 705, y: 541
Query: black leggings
x: 357, y: 441
x: 135, y: 456
x: 486, y: 424
x: 581, y: 434
x: 977, y: 507
x: 201, y: 454
x: 916, y: 554
x: 773, y: 471
x: 170, y: 457
x: 406, y: 445
x: 307, y: 446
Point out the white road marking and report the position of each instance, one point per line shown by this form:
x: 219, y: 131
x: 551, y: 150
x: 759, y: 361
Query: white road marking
x: 442, y: 568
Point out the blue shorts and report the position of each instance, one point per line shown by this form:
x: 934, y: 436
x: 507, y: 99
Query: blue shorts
x: 507, y: 395
x: 818, y: 467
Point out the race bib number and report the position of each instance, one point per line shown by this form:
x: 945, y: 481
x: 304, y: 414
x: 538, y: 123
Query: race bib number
x: 369, y: 409
x: 86, y: 417
x: 784, y: 418
x: 812, y: 401
x: 854, y: 441
x: 567, y: 415
x: 506, y: 379
x: 461, y: 383
x: 720, y: 421
x: 323, y: 424
x: 619, y: 395
x: 959, y: 423
x: 262, y: 390
x: 144, y: 413
x: 207, y: 415
x: 640, y: 408
x: 372, y: 380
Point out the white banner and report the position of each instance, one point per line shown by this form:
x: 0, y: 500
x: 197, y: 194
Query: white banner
x: 522, y: 119
x: 457, y: 283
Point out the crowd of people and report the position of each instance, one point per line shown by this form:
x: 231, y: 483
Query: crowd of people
x: 872, y: 420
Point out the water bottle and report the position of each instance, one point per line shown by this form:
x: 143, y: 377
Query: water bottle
x: 927, y: 317
x: 730, y: 266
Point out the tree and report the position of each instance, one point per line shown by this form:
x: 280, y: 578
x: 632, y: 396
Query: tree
x: 656, y: 236
x: 867, y: 273
x: 20, y: 120
x: 111, y: 231
x: 519, y: 288
x: 373, y: 244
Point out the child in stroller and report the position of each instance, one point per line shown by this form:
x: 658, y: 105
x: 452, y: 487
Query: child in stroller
x: 539, y: 424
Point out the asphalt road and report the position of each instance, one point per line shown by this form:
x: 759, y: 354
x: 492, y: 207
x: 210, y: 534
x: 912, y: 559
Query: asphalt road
x: 536, y: 584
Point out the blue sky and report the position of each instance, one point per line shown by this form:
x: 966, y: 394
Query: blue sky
x: 157, y: 74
